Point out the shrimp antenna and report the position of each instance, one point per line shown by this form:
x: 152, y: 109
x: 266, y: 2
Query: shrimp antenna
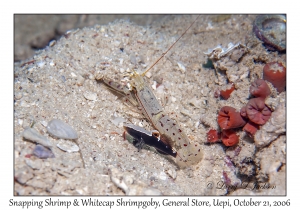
x: 143, y: 74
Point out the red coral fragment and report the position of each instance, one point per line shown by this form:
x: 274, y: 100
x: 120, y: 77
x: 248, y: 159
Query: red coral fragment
x: 257, y: 111
x: 226, y: 93
x: 229, y: 117
x: 213, y: 136
x: 259, y: 88
x: 229, y: 138
x: 250, y: 128
x: 275, y: 73
x: 28, y: 155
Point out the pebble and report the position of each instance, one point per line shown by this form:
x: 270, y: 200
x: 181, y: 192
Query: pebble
x: 160, y: 89
x: 172, y: 173
x: 79, y: 191
x: 181, y: 67
x: 61, y: 129
x: 24, y: 104
x: 152, y: 191
x: 44, y: 123
x: 73, y: 75
x: 20, y: 121
x: 117, y: 178
x: 274, y: 127
x: 22, y: 190
x: 162, y: 176
x: 173, y: 99
x: 90, y: 96
x: 129, y: 179
x: 67, y: 146
x: 41, y: 64
x: 23, y: 174
x: 117, y: 121
x: 117, y: 43
x: 35, y: 183
x: 18, y: 95
x: 42, y: 152
x: 133, y: 59
x: 52, y: 43
x: 80, y: 80
x: 148, y: 74
x: 33, y: 135
x: 34, y: 164
x: 154, y: 85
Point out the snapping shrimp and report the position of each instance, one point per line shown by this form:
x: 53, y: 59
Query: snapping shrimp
x: 140, y: 94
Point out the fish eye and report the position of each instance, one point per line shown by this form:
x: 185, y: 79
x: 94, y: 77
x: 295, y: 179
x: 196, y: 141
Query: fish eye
x: 156, y: 134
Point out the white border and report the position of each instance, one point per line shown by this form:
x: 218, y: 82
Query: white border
x: 153, y: 6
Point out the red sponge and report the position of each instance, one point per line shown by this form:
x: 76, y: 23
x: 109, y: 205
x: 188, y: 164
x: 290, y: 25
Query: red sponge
x: 259, y: 88
x: 213, y: 136
x: 229, y: 138
x: 229, y: 117
x: 257, y: 111
x: 276, y: 74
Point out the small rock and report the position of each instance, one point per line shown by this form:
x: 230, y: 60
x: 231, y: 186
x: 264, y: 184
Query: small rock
x: 67, y: 146
x: 154, y: 85
x: 42, y: 181
x: 152, y: 191
x: 24, y: 104
x: 181, y: 67
x: 79, y: 191
x: 148, y: 74
x: 129, y: 178
x: 117, y: 121
x: 69, y: 165
x: 133, y: 59
x: 90, y: 96
x: 163, y: 176
x: 52, y: 43
x: 60, y: 129
x: 23, y: 174
x: 36, y: 183
x: 80, y: 80
x: 275, y: 127
x: 44, y: 123
x: 42, y: 152
x: 20, y: 121
x: 173, y: 99
x: 117, y: 178
x: 41, y: 64
x: 172, y: 173
x: 22, y: 190
x: 32, y: 135
x: 18, y: 95
x: 121, y: 63
x: 34, y: 164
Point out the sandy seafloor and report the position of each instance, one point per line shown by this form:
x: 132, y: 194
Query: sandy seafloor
x: 60, y: 84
